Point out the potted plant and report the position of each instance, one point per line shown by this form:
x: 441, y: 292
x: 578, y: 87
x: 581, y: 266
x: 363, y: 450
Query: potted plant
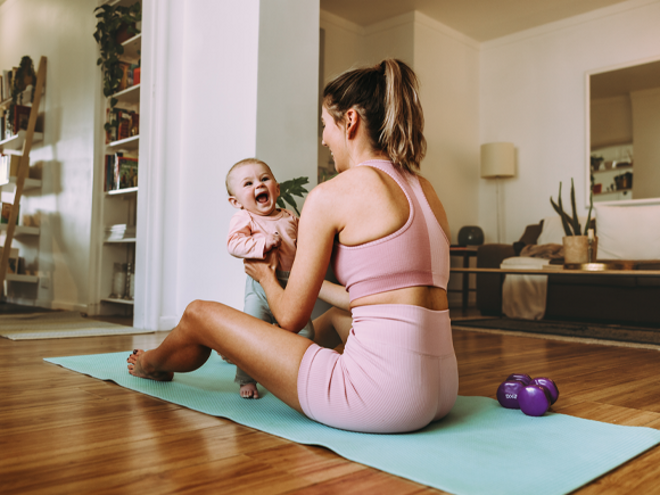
x: 290, y: 188
x: 25, y: 76
x: 579, y: 247
x: 116, y: 24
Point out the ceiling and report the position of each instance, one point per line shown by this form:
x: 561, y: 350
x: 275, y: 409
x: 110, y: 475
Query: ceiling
x: 481, y: 20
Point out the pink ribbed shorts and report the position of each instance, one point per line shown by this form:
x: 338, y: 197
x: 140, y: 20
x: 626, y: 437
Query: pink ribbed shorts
x: 398, y: 372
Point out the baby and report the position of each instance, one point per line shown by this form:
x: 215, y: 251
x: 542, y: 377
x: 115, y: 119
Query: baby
x: 254, y: 230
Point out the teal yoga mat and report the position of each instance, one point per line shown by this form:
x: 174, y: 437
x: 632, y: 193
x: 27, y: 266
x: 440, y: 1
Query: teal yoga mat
x: 478, y: 448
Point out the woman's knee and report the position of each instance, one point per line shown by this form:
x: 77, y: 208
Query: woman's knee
x: 199, y: 311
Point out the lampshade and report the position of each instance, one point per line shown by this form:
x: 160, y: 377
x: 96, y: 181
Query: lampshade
x: 497, y: 160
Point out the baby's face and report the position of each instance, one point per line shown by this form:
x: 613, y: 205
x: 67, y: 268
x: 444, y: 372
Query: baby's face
x: 254, y: 189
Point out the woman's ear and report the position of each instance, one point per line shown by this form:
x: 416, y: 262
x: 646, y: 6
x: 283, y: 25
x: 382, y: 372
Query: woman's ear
x: 352, y: 119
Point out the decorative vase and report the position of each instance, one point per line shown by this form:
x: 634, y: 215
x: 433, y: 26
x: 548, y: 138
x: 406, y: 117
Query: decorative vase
x: 576, y: 249
x: 470, y: 236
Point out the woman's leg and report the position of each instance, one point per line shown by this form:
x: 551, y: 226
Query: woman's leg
x: 269, y: 354
x: 332, y: 328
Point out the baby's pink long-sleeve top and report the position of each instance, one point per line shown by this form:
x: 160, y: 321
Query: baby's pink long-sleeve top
x: 247, y: 233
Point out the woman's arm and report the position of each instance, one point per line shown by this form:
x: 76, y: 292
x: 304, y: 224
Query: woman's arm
x: 335, y: 294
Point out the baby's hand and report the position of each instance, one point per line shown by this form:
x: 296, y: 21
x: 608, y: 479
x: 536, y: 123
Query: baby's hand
x: 272, y: 241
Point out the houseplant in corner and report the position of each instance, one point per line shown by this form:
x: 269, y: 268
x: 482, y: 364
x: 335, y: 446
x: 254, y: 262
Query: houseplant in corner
x: 579, y: 247
x: 115, y: 24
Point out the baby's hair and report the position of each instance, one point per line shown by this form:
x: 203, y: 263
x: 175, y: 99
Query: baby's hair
x: 245, y: 161
x: 386, y: 97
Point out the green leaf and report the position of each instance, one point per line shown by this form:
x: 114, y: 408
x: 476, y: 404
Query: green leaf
x: 290, y: 188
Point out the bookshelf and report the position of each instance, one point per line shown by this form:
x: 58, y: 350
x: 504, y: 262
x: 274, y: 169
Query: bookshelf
x: 20, y: 145
x: 118, y: 196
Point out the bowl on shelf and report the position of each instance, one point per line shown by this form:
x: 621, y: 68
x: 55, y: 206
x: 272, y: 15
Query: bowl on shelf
x: 470, y: 236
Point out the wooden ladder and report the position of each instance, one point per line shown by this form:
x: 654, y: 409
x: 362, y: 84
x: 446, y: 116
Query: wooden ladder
x: 23, y: 171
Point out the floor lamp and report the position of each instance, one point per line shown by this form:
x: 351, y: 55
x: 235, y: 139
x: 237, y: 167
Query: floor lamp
x: 497, y: 162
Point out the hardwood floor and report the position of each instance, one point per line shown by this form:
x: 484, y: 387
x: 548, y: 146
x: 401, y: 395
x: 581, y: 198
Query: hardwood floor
x: 63, y: 432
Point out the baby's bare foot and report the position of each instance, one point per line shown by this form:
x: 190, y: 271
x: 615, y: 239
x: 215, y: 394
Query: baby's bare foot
x: 249, y: 391
x: 135, y: 368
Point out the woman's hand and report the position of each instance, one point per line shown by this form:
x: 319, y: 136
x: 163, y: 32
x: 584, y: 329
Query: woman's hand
x: 261, y: 269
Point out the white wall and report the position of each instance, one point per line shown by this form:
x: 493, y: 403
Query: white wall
x: 237, y: 94
x: 447, y: 65
x: 60, y: 30
x: 287, y: 97
x: 533, y: 94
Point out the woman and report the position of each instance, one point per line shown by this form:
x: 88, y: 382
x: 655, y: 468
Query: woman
x: 387, y: 234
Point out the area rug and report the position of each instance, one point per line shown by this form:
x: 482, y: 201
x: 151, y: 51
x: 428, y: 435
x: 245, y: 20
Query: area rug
x: 600, y: 331
x: 478, y: 448
x: 59, y: 325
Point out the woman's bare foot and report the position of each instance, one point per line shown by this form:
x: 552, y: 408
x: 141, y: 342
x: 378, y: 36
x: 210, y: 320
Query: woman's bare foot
x: 135, y: 368
x: 249, y: 391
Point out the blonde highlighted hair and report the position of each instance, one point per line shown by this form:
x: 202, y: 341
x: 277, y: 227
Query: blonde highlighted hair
x: 387, y: 98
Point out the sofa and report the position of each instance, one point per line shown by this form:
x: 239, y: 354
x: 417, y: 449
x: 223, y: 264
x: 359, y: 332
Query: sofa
x: 624, y: 233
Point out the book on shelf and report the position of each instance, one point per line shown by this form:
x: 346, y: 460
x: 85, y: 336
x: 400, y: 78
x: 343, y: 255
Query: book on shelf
x: 13, y: 260
x: 119, y: 232
x: 121, y: 172
x: 6, y: 84
x: 6, y: 211
x: 122, y: 124
x: 8, y: 167
x: 21, y: 118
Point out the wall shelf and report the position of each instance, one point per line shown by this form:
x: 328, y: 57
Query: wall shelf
x: 613, y: 169
x: 25, y: 96
x: 29, y: 183
x: 28, y: 279
x: 129, y: 95
x: 132, y: 46
x: 16, y: 141
x: 129, y: 144
x: 121, y: 192
x: 127, y: 240
x: 613, y: 192
x: 118, y: 207
x: 128, y: 302
x: 21, y: 230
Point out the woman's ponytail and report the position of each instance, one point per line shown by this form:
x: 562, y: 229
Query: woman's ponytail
x: 386, y: 97
x: 402, y: 134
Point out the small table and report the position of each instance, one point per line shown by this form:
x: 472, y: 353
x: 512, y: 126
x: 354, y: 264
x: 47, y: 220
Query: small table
x: 559, y: 270
x: 466, y: 252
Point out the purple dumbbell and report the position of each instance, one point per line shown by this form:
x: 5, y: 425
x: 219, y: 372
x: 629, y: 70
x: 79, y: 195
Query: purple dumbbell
x: 550, y: 385
x: 523, y: 377
x: 533, y: 397
x: 507, y: 393
x: 534, y: 400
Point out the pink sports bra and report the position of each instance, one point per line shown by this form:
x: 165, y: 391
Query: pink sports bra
x: 417, y: 254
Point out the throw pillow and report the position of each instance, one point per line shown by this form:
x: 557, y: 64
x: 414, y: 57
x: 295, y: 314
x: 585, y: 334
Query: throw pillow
x: 628, y: 232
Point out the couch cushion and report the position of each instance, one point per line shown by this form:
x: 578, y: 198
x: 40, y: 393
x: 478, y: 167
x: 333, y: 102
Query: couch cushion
x: 628, y: 232
x: 553, y: 230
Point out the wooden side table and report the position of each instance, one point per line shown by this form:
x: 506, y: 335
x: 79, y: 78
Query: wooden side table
x: 466, y: 252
